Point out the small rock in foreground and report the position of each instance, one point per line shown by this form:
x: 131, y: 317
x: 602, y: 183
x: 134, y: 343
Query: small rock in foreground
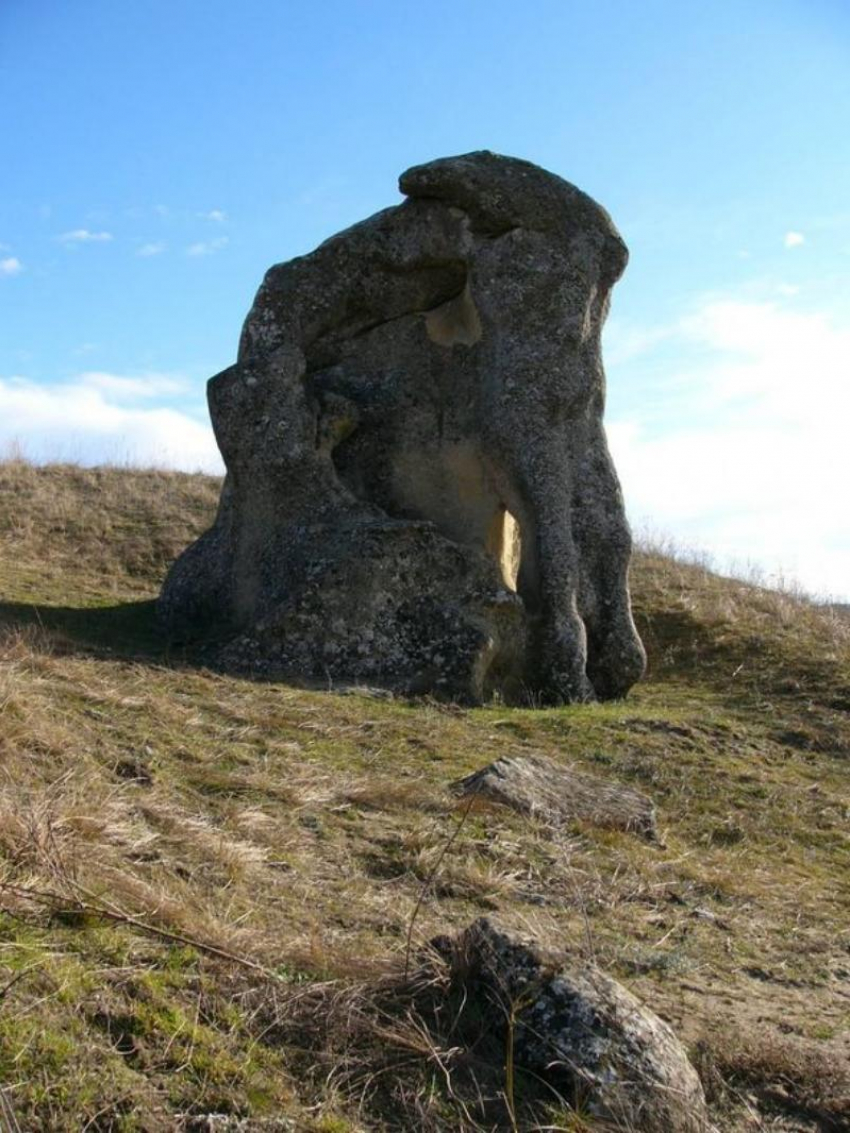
x: 582, y: 1032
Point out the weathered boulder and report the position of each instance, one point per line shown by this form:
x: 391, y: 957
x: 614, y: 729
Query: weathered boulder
x: 581, y: 1031
x: 558, y: 794
x: 419, y: 492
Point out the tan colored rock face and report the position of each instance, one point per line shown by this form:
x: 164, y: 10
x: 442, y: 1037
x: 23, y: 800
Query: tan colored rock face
x: 455, y: 323
x: 427, y: 383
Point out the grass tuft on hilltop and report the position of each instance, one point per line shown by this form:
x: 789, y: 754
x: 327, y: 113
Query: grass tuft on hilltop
x: 207, y: 884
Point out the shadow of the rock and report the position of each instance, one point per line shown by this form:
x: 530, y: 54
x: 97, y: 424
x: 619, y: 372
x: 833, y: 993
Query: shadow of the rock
x: 128, y: 629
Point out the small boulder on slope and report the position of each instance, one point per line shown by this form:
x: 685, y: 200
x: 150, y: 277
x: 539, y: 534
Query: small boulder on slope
x: 540, y: 787
x: 583, y: 1032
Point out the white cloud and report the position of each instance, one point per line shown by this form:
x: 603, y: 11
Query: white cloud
x: 122, y: 387
x: 218, y: 216
x: 11, y: 266
x: 206, y: 247
x: 153, y: 249
x: 794, y: 239
x: 742, y: 446
x: 84, y: 420
x: 624, y: 342
x: 84, y: 236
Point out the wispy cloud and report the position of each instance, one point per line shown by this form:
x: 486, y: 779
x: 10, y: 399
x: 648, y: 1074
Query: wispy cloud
x: 11, y: 265
x: 622, y: 342
x: 123, y: 387
x: 741, y: 444
x: 154, y: 249
x: 206, y: 247
x: 88, y: 419
x: 218, y: 216
x: 84, y: 236
x: 794, y: 239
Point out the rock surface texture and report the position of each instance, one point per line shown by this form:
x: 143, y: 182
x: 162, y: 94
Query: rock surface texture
x: 419, y: 493
x: 558, y: 795
x: 582, y: 1032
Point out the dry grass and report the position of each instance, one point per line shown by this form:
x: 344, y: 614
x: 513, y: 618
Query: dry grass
x: 781, y: 1074
x: 299, y: 830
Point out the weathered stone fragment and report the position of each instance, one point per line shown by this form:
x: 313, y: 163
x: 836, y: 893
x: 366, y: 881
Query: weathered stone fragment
x: 581, y: 1031
x: 419, y: 491
x: 540, y: 787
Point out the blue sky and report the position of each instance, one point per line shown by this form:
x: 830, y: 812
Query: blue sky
x: 158, y: 157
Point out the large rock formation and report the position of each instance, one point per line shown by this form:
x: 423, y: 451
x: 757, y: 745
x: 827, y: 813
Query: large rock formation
x: 419, y: 493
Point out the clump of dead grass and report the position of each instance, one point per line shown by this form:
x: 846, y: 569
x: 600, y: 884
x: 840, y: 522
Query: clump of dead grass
x: 412, y: 1046
x: 740, y: 634
x: 123, y: 526
x: 788, y: 1075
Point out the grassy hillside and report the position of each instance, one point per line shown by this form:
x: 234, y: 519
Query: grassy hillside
x: 207, y: 885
